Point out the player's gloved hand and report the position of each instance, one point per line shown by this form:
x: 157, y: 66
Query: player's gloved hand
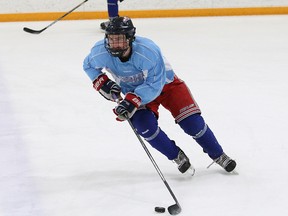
x: 127, y: 107
x: 121, y: 0
x: 107, y: 88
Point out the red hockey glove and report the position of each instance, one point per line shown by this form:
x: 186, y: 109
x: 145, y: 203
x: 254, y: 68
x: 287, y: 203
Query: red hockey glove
x: 107, y: 88
x: 127, y: 107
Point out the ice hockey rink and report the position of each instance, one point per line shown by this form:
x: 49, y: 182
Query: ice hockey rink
x: 62, y: 153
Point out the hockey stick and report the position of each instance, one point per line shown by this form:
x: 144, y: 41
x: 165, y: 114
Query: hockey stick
x: 175, y: 208
x: 39, y: 31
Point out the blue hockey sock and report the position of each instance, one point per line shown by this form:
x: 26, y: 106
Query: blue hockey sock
x: 146, y: 125
x: 112, y: 8
x: 196, y: 127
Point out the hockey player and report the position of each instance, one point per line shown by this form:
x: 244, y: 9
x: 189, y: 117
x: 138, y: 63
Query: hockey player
x: 113, y: 12
x: 147, y: 80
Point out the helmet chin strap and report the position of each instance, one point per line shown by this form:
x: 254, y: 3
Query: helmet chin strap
x: 127, y: 52
x: 126, y: 55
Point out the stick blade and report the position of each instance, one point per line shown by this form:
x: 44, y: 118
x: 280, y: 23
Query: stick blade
x: 174, y: 209
x: 32, y: 31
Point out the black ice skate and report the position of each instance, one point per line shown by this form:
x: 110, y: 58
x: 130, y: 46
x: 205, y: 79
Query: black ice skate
x: 183, y: 162
x: 226, y: 162
x: 104, y: 25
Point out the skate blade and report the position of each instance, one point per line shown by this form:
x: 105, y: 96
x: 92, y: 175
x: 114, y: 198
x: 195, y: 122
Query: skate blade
x: 190, y: 171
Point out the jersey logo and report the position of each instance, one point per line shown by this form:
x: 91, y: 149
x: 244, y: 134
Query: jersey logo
x: 132, y: 79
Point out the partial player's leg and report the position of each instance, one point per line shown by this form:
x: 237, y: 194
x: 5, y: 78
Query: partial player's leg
x: 187, y: 114
x: 113, y: 11
x: 196, y: 127
x: 146, y: 125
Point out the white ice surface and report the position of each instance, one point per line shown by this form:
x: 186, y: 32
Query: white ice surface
x: 63, y: 154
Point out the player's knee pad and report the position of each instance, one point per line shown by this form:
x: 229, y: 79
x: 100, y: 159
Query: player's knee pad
x: 146, y: 124
x: 194, y: 125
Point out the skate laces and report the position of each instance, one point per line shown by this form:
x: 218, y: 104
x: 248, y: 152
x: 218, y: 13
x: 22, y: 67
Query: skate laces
x: 223, y: 161
x: 181, y: 159
x: 184, y: 164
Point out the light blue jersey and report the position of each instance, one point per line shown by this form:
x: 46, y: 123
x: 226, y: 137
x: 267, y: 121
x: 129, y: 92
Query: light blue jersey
x: 144, y: 74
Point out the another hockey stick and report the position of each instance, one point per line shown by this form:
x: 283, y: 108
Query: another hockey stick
x: 39, y: 31
x: 173, y: 209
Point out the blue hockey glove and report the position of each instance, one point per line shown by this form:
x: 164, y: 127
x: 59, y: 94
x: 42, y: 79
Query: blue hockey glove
x: 107, y: 88
x: 127, y: 107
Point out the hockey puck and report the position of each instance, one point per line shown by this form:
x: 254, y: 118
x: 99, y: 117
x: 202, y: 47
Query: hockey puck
x: 159, y: 209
